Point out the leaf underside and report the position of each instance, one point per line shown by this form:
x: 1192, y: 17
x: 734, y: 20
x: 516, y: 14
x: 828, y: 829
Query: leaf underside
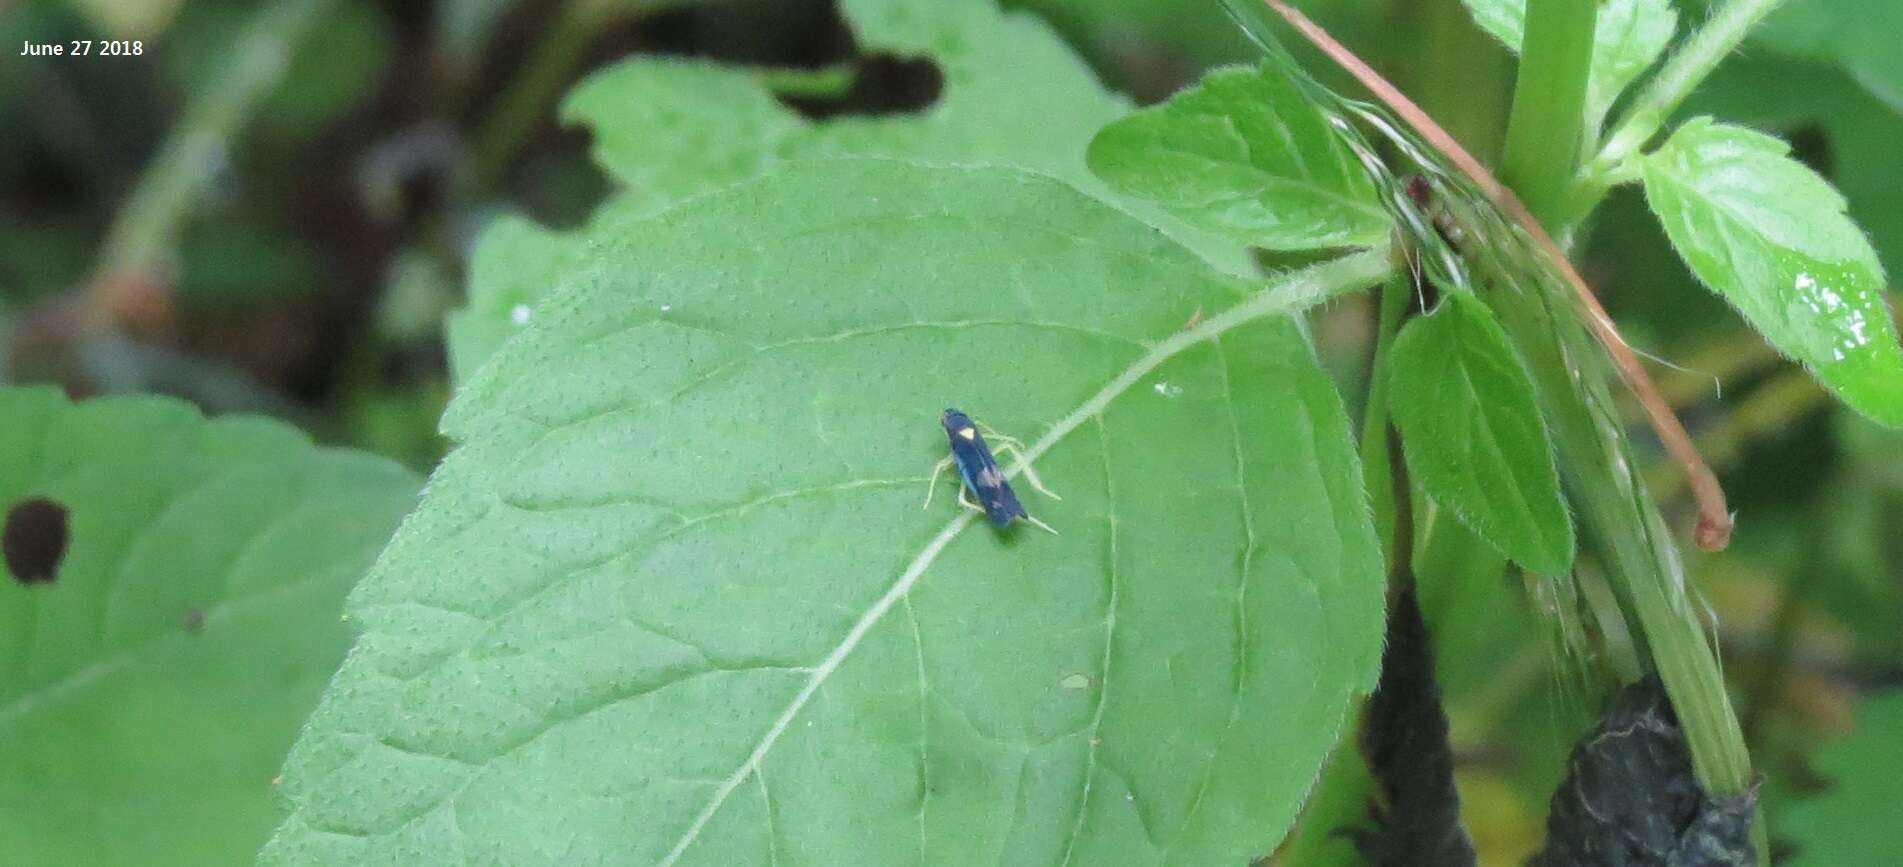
x: 673, y: 598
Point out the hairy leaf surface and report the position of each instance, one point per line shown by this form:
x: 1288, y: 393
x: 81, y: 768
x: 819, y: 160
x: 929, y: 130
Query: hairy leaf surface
x: 1244, y: 154
x: 1471, y: 429
x: 1771, y: 237
x: 154, y: 675
x: 673, y: 598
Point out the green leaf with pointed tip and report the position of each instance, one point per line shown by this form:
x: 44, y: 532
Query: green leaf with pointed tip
x: 1013, y: 94
x: 150, y: 688
x: 1472, y: 433
x: 1246, y: 155
x: 1771, y: 236
x: 674, y: 591
x: 1628, y: 38
x: 1853, y: 823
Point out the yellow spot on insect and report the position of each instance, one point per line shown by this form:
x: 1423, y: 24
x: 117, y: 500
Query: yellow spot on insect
x: 970, y: 433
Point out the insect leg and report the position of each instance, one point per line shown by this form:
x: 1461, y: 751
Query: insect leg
x: 1041, y: 525
x: 938, y: 469
x: 1010, y: 445
x: 964, y: 499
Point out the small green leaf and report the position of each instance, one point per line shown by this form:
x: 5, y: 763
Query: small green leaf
x: 674, y: 592
x: 1471, y: 429
x: 1628, y: 38
x: 1771, y: 236
x: 154, y: 674
x: 1246, y: 155
x: 1853, y: 823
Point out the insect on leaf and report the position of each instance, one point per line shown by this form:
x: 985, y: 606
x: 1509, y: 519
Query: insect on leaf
x: 673, y: 599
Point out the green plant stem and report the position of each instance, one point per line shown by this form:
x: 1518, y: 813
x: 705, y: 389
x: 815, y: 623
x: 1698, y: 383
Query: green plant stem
x: 1666, y: 91
x: 1641, y: 559
x: 143, y: 233
x: 1635, y: 545
x: 1376, y: 468
x: 1547, y: 127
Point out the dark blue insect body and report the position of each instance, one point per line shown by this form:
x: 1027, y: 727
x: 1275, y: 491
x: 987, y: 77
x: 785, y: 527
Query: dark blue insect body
x: 980, y: 470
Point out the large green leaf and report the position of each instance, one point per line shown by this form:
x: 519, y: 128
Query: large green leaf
x: 150, y: 689
x: 1628, y: 38
x: 1013, y: 95
x: 1246, y: 155
x: 674, y: 593
x: 1853, y: 824
x: 1471, y: 429
x: 1770, y: 236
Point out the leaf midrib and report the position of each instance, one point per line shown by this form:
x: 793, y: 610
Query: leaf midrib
x: 1297, y: 290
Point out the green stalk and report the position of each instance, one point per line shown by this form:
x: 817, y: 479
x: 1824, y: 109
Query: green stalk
x: 1649, y: 111
x: 1376, y: 469
x: 1640, y: 556
x: 1546, y: 131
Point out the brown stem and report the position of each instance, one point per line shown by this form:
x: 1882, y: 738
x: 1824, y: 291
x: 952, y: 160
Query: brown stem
x: 1714, y: 516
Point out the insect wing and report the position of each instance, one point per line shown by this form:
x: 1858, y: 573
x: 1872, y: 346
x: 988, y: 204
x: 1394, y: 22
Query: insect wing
x: 983, y: 478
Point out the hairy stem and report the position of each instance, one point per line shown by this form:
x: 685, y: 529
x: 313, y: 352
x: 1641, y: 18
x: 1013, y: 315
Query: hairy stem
x: 1668, y: 89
